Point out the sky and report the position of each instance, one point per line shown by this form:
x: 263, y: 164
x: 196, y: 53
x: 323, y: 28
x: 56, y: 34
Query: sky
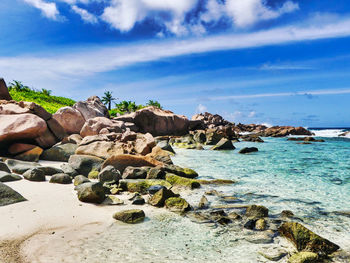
x: 275, y: 62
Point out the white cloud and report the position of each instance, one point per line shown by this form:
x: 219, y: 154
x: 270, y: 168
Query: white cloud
x: 94, y: 60
x: 252, y: 114
x: 201, y: 108
x: 85, y: 15
x: 48, y: 9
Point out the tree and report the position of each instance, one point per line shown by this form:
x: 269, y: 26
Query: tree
x: 46, y: 92
x: 107, y: 99
x: 18, y: 85
x: 154, y: 103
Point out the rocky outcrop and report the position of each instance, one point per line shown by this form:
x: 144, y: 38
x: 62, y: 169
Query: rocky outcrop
x: 306, y: 240
x: 4, y: 92
x: 282, y: 131
x: 9, y: 196
x: 95, y: 125
x: 157, y: 121
x: 28, y: 123
x: 91, y: 108
x: 210, y: 120
x: 130, y: 216
x: 70, y: 119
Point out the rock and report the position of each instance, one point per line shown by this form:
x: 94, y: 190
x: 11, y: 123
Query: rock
x: 4, y: 92
x: 56, y: 129
x: 282, y: 131
x: 17, y: 148
x: 60, y: 179
x: 200, y: 137
x: 159, y: 198
x: 4, y: 167
x: 188, y: 146
x: 234, y: 216
x: 136, y: 173
x: 257, y: 211
x: 304, y: 257
x: 101, y: 149
x: 223, y: 144
x: 68, y: 169
x: 46, y: 140
x: 183, y: 172
x: 73, y: 138
x: 95, y: 125
x: 177, y: 204
x: 306, y: 240
x: 19, y: 167
x: 91, y: 193
x: 261, y: 238
x: 84, y: 164
x: 287, y: 214
x: 59, y: 153
x: 34, y: 175
x: 109, y: 174
x: 141, y: 186
x: 9, y: 196
x: 213, y: 137
x: 138, y: 201
x: 160, y: 155
x: 155, y: 188
x: 112, y: 200
x: 32, y: 155
x: 273, y: 254
x: 157, y: 121
x: 216, y: 181
x: 50, y: 170
x: 156, y: 173
x: 250, y: 224
x: 260, y: 224
x: 252, y: 138
x: 130, y: 216
x: 120, y: 162
x: 70, y: 119
x: 248, y: 150
x: 176, y: 180
x: 203, y: 203
x: 80, y: 179
x: 144, y: 144
x: 8, y: 177
x: 21, y: 127
x: 91, y: 108
x: 93, y: 174
x: 164, y: 145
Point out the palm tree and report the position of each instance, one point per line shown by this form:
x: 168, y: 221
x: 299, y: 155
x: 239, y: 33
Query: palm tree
x: 154, y: 103
x: 46, y: 92
x: 108, y: 99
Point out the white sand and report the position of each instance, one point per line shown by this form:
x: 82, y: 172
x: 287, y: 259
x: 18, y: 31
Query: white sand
x: 52, y: 212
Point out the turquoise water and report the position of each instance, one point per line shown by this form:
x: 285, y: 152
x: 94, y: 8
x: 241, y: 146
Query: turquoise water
x: 311, y: 180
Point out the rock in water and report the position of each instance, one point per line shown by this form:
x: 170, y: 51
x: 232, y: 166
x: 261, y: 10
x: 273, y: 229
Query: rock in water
x: 177, y: 204
x: 61, y: 179
x: 305, y: 239
x: 130, y: 216
x: 91, y: 193
x: 304, y: 257
x: 158, y: 199
x: 59, y: 153
x: 248, y: 150
x: 34, y: 175
x: 4, y: 92
x: 257, y: 211
x: 203, y: 203
x: 223, y: 144
x: 9, y: 196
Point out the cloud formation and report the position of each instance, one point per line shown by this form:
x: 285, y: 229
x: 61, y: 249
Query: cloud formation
x: 180, y: 17
x: 48, y: 10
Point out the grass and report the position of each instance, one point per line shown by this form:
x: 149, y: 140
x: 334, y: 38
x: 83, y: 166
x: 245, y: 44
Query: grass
x: 48, y: 102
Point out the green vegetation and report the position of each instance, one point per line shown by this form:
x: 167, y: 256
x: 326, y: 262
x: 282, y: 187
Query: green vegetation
x: 130, y: 106
x: 20, y: 92
x: 107, y: 99
x: 154, y: 103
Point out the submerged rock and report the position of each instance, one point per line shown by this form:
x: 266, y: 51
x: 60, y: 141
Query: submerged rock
x: 9, y: 196
x: 130, y: 216
x: 177, y: 204
x: 304, y: 257
x: 306, y: 240
x: 248, y: 150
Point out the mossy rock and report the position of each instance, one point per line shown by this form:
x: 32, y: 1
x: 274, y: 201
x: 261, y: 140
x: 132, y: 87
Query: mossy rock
x: 304, y: 257
x: 159, y: 198
x: 80, y: 179
x: 141, y: 186
x: 93, y: 174
x: 188, y: 146
x: 177, y: 204
x: 132, y: 216
x: 176, y: 180
x: 257, y: 211
x: 306, y: 240
x: 180, y: 171
x: 216, y: 181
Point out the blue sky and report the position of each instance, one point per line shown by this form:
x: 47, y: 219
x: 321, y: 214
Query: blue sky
x: 253, y: 61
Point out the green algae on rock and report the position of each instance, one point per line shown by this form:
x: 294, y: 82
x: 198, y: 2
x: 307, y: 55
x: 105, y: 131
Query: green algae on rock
x: 176, y: 180
x: 132, y: 216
